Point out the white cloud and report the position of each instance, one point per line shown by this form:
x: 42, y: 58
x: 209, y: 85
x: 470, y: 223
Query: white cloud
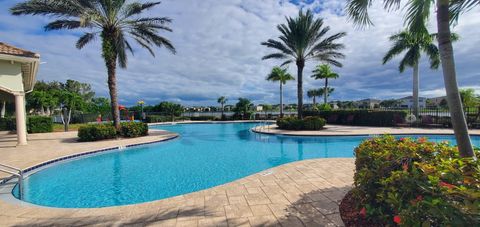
x: 219, y: 53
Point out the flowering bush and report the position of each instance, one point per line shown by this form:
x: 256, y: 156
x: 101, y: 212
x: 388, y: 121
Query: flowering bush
x: 416, y: 183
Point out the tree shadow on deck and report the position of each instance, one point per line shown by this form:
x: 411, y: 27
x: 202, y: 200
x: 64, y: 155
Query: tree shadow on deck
x: 166, y: 215
x: 316, y: 208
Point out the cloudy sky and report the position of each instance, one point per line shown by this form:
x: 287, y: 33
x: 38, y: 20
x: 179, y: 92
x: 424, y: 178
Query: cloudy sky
x: 219, y: 53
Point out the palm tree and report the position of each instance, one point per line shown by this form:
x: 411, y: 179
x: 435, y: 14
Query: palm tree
x: 314, y: 93
x: 304, y: 38
x: 281, y: 75
x: 113, y: 21
x: 222, y: 100
x: 413, y: 44
x: 324, y: 72
x: 418, y: 13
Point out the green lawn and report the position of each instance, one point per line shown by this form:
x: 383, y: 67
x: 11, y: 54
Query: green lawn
x: 71, y: 127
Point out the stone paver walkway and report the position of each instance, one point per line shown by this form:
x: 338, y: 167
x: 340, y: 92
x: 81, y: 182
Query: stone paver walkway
x: 305, y: 193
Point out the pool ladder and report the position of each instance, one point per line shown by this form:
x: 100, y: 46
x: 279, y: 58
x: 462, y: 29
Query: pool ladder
x: 16, y: 172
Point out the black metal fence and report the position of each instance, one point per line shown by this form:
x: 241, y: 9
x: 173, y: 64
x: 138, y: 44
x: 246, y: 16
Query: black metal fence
x: 427, y: 117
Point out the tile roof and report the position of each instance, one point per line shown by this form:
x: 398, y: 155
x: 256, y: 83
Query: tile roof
x: 11, y: 50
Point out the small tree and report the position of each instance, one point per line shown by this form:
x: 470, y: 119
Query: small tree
x: 170, y: 108
x: 69, y: 102
x: 243, y: 107
x: 324, y: 72
x: 281, y: 75
x: 222, y: 100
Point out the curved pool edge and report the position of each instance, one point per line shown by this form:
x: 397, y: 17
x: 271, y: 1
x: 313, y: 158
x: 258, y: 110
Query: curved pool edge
x: 340, y: 130
x: 280, y: 185
x: 8, y: 183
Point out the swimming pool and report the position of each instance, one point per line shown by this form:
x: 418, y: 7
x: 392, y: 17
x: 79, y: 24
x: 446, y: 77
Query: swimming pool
x: 204, y: 156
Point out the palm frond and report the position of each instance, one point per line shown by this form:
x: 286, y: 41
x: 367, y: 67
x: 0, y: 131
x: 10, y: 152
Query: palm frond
x: 61, y: 8
x: 357, y: 11
x: 433, y: 54
x: 418, y: 12
x: 457, y: 7
x: 137, y: 8
x: 62, y: 24
x: 410, y: 59
x: 275, y: 56
x: 84, y: 39
x: 397, y: 48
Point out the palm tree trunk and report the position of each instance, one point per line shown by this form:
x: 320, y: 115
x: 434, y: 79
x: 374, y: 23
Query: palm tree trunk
x: 300, y: 65
x: 223, y: 109
x: 4, y: 107
x: 110, y: 57
x: 449, y: 75
x: 416, y: 85
x: 281, y: 100
x: 314, y: 100
x: 325, y: 93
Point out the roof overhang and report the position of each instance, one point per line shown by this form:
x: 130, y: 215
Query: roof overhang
x: 29, y: 69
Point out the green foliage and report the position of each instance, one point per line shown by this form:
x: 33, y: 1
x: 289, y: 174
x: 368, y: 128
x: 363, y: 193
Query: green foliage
x: 243, y: 109
x: 133, y: 129
x: 468, y: 97
x: 94, y: 132
x: 157, y: 118
x: 39, y: 124
x: 324, y: 107
x: 308, y: 123
x: 169, y: 108
x: 361, y: 117
x: 7, y: 124
x: 421, y: 182
x: 279, y: 74
x: 203, y: 118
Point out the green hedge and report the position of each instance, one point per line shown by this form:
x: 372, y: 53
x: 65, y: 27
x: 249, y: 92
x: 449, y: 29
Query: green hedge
x: 157, y: 118
x: 361, y: 117
x: 416, y: 183
x: 39, y: 124
x: 94, y: 132
x: 308, y: 123
x: 7, y: 124
x: 133, y: 129
x: 203, y: 118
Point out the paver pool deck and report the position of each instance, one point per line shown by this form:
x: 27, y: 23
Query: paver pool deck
x: 303, y: 193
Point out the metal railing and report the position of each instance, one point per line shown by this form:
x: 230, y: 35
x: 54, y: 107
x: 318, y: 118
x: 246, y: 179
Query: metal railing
x: 18, y: 173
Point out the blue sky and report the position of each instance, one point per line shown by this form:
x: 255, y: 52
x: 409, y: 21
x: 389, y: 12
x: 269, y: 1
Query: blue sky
x: 219, y: 53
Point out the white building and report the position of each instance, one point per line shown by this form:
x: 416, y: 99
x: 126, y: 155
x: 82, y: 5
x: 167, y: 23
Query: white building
x: 18, y: 69
x: 407, y: 102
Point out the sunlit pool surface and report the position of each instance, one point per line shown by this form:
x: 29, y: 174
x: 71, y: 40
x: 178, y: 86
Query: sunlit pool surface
x: 205, y: 155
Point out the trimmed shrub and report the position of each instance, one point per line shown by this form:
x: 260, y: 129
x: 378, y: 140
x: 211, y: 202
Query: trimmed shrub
x: 157, y: 118
x: 7, y: 124
x: 94, y: 132
x: 361, y: 117
x: 416, y: 183
x: 308, y: 123
x: 203, y: 118
x: 39, y: 124
x: 133, y: 129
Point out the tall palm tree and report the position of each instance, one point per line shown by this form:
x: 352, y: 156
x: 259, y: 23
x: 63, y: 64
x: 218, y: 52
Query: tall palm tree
x: 314, y: 93
x: 114, y: 21
x: 304, y: 38
x: 222, y: 100
x: 324, y: 72
x: 413, y: 44
x: 417, y: 14
x: 281, y: 75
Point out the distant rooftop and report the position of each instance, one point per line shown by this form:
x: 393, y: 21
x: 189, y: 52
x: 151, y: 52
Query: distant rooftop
x: 15, y: 51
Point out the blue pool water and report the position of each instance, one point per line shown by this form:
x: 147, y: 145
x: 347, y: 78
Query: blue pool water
x: 204, y: 156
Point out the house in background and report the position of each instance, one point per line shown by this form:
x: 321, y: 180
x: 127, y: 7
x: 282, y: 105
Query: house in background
x: 368, y: 103
x: 407, y: 102
x: 18, y: 70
